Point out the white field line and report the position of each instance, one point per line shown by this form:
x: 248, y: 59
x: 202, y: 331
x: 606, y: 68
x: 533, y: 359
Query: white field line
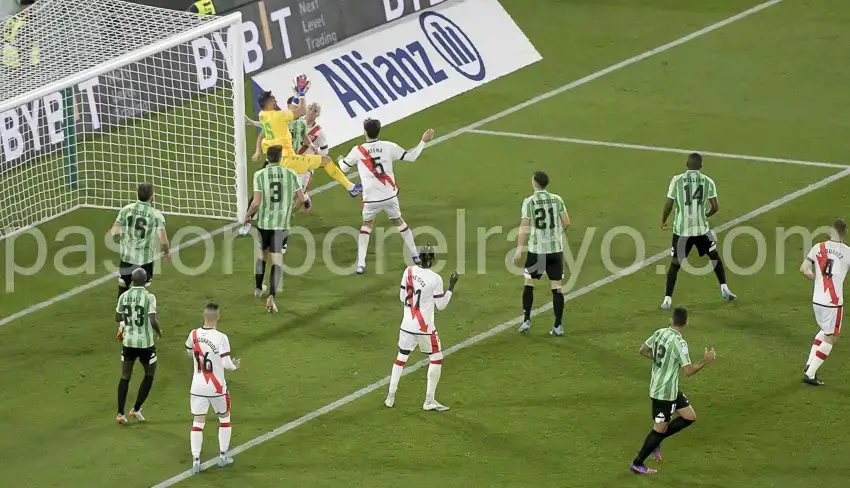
x: 572, y: 295
x: 587, y: 79
x: 640, y: 147
x: 499, y: 328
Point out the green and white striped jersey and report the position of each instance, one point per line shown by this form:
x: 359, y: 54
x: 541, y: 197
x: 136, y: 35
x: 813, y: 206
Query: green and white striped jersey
x: 140, y: 226
x: 136, y: 305
x: 669, y: 356
x: 544, y: 210
x: 298, y: 129
x: 691, y: 191
x: 278, y: 186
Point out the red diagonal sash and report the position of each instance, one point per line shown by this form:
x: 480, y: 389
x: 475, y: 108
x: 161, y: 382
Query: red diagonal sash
x: 209, y: 377
x: 371, y: 165
x: 828, y: 284
x: 411, y: 302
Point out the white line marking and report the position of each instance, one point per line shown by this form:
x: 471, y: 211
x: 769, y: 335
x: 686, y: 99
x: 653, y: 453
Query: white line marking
x: 571, y: 296
x: 587, y: 79
x: 640, y: 147
x: 499, y: 328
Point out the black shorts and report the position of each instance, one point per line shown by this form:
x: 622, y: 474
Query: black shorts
x: 552, y: 264
x: 145, y: 356
x: 663, y: 410
x: 273, y: 240
x: 682, y: 245
x: 125, y: 271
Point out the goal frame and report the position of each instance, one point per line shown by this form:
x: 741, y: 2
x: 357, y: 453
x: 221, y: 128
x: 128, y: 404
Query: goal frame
x: 236, y: 41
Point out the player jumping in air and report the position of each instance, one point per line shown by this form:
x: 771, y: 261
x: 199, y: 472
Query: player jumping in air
x: 826, y: 264
x: 316, y: 142
x: 543, y: 222
x: 275, y: 124
x: 690, y: 192
x: 139, y: 225
x: 421, y: 291
x: 668, y: 351
x: 277, y: 190
x: 137, y: 322
x: 210, y: 350
x: 374, y: 161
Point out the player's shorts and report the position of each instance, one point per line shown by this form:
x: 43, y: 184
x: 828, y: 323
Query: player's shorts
x: 125, y: 272
x: 427, y: 343
x: 663, y: 410
x: 200, y: 405
x: 552, y: 264
x: 273, y: 241
x: 389, y: 206
x: 145, y: 356
x: 682, y: 245
x: 829, y: 318
x: 301, y: 163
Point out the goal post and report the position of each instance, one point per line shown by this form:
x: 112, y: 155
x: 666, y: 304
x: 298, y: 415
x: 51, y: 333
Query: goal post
x: 98, y: 97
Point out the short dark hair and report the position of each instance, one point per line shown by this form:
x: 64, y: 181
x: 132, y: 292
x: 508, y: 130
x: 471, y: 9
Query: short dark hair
x: 274, y: 154
x: 211, y: 306
x: 840, y: 226
x: 145, y: 192
x: 372, y: 128
x: 695, y: 160
x: 680, y: 316
x: 541, y: 178
x: 264, y: 98
x: 426, y: 256
x: 290, y: 100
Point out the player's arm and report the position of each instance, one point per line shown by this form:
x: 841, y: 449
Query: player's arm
x: 229, y: 363
x: 692, y: 369
x: 347, y: 162
x: 298, y: 107
x: 258, y: 153
x: 441, y: 298
x: 521, y: 238
x: 163, y: 239
x: 119, y: 320
x: 413, y: 154
x: 255, y: 205
x: 713, y: 206
x: 154, y: 317
x: 190, y: 351
x: 646, y: 350
x: 322, y: 146
x: 807, y: 268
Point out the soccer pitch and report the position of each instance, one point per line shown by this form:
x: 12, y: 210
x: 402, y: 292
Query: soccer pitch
x: 625, y: 88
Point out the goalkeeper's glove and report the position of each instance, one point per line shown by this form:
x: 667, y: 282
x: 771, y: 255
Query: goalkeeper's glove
x: 301, y: 85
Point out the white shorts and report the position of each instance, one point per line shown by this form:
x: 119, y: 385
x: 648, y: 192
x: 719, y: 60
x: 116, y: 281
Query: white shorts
x: 829, y: 319
x: 389, y: 207
x: 428, y: 343
x: 200, y: 405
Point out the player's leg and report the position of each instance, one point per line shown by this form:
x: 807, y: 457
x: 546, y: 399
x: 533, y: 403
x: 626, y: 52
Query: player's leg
x: 662, y: 412
x: 829, y: 319
x: 678, y: 250
x: 707, y: 244
x: 306, y: 179
x: 393, y: 211
x: 555, y: 273
x: 334, y: 172
x: 128, y: 358
x: 686, y: 417
x: 276, y: 251
x: 819, y: 337
x: 406, y: 343
x: 531, y: 274
x: 198, y: 406
x: 149, y: 270
x: 149, y: 365
x: 265, y: 238
x: 224, y: 429
x: 125, y: 270
x: 435, y: 370
x: 369, y: 213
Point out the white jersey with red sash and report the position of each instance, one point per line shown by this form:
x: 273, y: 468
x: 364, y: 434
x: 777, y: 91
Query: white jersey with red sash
x: 831, y: 260
x: 317, y: 139
x: 421, y: 292
x: 374, y: 161
x: 208, y: 346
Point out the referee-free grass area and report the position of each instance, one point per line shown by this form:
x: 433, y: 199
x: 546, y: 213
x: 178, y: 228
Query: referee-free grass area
x: 526, y: 410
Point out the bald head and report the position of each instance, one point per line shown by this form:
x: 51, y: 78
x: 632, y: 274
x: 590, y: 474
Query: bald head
x: 694, y: 161
x: 139, y: 277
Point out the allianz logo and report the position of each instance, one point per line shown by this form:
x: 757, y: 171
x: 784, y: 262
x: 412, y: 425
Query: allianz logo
x: 364, y: 82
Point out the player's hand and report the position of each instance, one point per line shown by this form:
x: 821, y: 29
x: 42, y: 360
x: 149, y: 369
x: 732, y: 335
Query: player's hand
x: 709, y: 355
x: 166, y: 255
x: 517, y: 255
x: 237, y: 362
x: 257, y: 156
x: 453, y: 279
x: 664, y: 226
x: 159, y: 334
x: 120, y: 334
x: 428, y: 135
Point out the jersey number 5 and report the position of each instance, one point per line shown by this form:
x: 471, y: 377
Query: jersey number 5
x: 205, y: 365
x: 696, y: 196
x: 540, y: 218
x: 658, y: 355
x: 277, y: 191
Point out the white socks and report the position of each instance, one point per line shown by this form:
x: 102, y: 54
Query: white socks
x: 363, y: 245
x: 196, y: 438
x: 435, y: 369
x: 819, y: 338
x: 820, y: 356
x: 407, y: 237
x: 224, y: 432
x: 398, y: 367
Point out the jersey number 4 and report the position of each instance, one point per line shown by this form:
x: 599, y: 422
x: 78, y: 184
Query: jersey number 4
x: 827, y: 268
x: 540, y: 218
x: 139, y: 225
x: 695, y: 196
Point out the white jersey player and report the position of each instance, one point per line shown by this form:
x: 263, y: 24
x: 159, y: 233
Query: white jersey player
x: 374, y: 161
x: 317, y: 143
x: 421, y: 291
x: 210, y: 352
x: 827, y: 265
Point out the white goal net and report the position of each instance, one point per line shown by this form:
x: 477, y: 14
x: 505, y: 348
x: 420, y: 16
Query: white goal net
x: 98, y: 96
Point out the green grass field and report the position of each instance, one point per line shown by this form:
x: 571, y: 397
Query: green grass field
x: 527, y: 411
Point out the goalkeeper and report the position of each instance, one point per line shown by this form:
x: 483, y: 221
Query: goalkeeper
x: 275, y: 125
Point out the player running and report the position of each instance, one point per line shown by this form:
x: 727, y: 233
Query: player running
x: 210, y: 350
x: 374, y: 161
x: 275, y: 124
x: 139, y: 225
x: 316, y: 142
x: 690, y: 192
x: 421, y: 291
x: 668, y: 351
x: 277, y: 190
x: 831, y: 261
x: 545, y: 248
x: 137, y: 322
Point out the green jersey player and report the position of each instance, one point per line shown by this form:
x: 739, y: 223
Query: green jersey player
x: 695, y: 197
x: 543, y: 221
x: 668, y: 351
x: 140, y: 226
x: 137, y: 322
x: 277, y: 191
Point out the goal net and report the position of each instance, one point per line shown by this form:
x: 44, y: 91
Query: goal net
x: 97, y: 97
